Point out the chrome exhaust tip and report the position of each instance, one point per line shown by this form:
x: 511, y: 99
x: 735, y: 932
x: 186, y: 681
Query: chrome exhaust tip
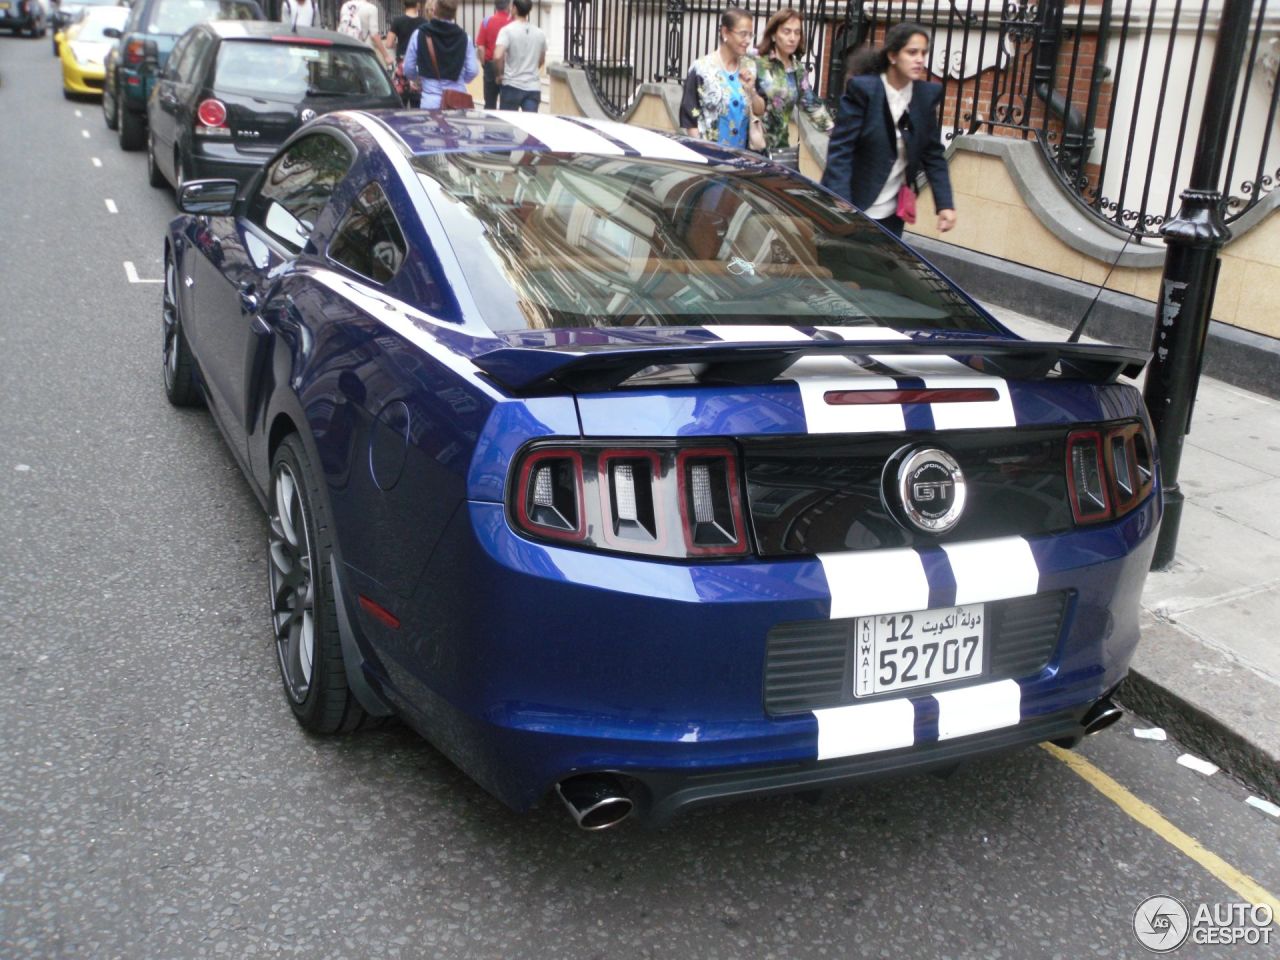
x: 1100, y: 716
x: 595, y: 801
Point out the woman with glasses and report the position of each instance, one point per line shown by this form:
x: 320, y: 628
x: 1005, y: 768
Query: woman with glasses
x: 887, y: 131
x: 720, y: 92
x: 782, y: 82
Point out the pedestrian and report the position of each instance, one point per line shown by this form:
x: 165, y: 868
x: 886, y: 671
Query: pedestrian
x: 886, y: 130
x: 359, y: 19
x: 518, y: 57
x: 486, y: 40
x: 720, y: 91
x: 782, y: 82
x: 454, y: 63
x: 400, y: 32
x: 298, y: 13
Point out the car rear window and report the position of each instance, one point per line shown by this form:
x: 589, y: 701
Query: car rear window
x: 298, y: 70
x: 591, y: 241
x: 177, y: 16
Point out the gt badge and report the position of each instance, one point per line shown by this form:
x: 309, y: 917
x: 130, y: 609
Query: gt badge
x: 931, y: 489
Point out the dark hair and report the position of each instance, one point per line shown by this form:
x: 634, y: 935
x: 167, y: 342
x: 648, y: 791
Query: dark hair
x: 522, y: 7
x: 732, y: 16
x: 446, y: 9
x: 783, y: 16
x: 872, y: 60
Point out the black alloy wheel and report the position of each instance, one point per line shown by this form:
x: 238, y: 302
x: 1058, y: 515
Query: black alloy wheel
x: 179, y: 380
x: 109, y: 106
x: 303, y: 612
x: 154, y: 176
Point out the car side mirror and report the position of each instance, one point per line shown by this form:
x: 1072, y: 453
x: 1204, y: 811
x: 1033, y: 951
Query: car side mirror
x: 210, y: 197
x: 112, y: 32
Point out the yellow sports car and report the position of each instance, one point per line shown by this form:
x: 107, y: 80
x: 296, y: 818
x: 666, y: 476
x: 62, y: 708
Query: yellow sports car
x: 83, y: 48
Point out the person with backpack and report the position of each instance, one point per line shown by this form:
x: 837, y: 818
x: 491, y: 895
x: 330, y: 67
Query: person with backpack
x: 520, y: 53
x: 442, y: 57
x: 298, y: 13
x: 486, y: 40
x: 359, y: 19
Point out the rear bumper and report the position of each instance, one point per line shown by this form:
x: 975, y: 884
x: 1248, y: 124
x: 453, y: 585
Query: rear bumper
x: 223, y: 160
x: 527, y: 663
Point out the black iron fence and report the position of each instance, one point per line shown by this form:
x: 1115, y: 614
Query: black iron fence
x: 1110, y: 90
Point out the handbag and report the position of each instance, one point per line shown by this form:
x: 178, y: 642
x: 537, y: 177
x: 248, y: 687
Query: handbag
x: 755, y: 134
x: 398, y: 79
x: 449, y: 99
x: 906, y: 204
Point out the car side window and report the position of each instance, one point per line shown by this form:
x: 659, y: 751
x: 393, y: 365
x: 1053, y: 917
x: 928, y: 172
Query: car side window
x: 200, y: 44
x: 174, y: 68
x: 369, y: 240
x: 296, y: 187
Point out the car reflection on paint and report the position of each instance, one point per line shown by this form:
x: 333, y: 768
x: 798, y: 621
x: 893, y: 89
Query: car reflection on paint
x: 646, y: 473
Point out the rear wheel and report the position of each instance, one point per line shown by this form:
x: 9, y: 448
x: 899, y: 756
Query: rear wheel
x: 179, y: 380
x: 132, y: 130
x: 154, y: 176
x: 109, y: 101
x: 303, y: 610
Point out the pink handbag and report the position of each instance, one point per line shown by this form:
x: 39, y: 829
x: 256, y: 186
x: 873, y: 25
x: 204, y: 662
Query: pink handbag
x: 906, y: 204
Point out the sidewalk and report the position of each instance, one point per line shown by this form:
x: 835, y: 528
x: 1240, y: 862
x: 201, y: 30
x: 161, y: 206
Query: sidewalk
x: 1208, y: 666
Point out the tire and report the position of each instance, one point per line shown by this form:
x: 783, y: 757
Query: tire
x: 132, y: 131
x: 109, y: 112
x: 154, y: 176
x: 303, y: 613
x: 179, y: 365
x: 55, y: 45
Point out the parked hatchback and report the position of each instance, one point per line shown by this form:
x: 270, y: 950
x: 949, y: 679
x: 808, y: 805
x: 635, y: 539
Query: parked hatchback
x: 20, y: 15
x: 233, y: 92
x: 141, y: 50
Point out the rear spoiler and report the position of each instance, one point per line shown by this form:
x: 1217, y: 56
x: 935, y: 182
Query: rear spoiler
x: 591, y: 369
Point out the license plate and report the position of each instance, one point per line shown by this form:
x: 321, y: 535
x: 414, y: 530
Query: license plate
x: 897, y: 651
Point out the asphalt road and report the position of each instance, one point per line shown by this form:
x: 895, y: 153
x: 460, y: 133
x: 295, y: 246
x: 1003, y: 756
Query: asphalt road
x: 157, y: 799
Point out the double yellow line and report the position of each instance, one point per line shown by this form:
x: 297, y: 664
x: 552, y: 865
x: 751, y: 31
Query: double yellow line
x: 1147, y: 815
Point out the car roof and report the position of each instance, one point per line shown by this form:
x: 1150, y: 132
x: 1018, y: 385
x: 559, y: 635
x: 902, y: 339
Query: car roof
x: 426, y: 132
x: 267, y: 29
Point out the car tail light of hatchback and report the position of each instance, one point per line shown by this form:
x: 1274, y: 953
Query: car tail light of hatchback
x: 138, y: 52
x: 656, y: 499
x: 211, y: 119
x: 1109, y: 471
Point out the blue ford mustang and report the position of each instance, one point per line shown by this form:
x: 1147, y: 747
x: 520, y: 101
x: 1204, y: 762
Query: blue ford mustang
x: 644, y: 472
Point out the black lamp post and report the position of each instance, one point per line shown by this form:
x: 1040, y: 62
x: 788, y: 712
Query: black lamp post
x: 1193, y: 239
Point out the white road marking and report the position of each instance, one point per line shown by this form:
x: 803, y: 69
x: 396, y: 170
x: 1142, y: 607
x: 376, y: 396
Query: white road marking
x: 1198, y: 765
x: 79, y: 114
x: 1150, y: 733
x: 85, y: 134
x: 96, y: 161
x: 865, y: 728
x: 131, y: 272
x: 970, y: 710
x: 1266, y: 806
x: 111, y: 205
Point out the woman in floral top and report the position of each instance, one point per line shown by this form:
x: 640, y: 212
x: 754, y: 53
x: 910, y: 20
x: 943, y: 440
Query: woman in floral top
x: 720, y: 91
x: 782, y: 82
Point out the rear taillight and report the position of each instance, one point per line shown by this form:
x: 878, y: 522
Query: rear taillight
x: 1109, y: 471
x: 659, y: 500
x: 211, y: 119
x: 138, y: 51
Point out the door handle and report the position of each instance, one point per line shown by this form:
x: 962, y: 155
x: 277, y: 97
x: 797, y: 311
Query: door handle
x: 248, y: 297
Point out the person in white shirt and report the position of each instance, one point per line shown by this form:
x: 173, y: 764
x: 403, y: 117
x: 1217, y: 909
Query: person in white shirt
x: 359, y: 19
x: 298, y: 13
x: 518, y: 57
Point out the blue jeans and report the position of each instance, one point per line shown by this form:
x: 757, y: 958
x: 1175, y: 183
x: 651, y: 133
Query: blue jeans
x: 512, y: 98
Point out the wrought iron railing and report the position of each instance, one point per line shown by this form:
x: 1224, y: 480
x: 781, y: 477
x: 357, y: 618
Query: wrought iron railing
x: 1110, y: 90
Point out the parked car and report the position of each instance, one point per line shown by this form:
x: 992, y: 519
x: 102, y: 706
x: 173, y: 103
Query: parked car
x: 84, y: 47
x: 69, y: 11
x: 141, y: 50
x: 233, y: 91
x: 649, y: 473
x: 19, y: 15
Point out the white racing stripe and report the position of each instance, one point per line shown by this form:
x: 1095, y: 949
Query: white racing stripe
x: 970, y: 710
x: 651, y: 145
x: 993, y: 569
x: 557, y: 134
x: 407, y: 322
x: 865, y: 728
x: 875, y: 581
x: 971, y: 416
x: 756, y: 333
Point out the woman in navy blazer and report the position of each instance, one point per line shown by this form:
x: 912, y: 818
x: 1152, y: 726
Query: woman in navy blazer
x: 887, y: 131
